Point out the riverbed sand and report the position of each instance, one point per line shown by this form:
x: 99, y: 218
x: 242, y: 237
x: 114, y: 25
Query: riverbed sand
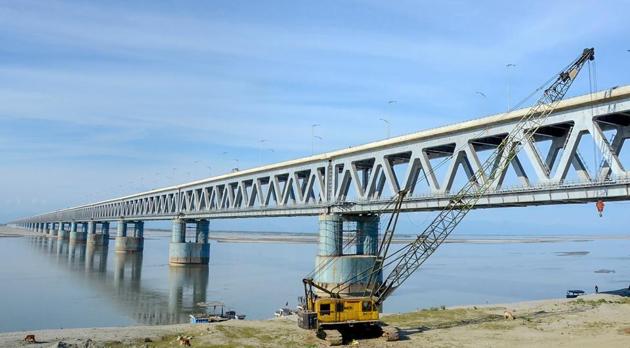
x: 601, y: 320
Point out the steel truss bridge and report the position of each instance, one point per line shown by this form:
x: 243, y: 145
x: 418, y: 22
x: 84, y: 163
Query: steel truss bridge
x: 362, y: 179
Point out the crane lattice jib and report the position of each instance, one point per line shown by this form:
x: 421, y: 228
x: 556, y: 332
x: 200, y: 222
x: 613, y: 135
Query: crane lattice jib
x: 414, y: 254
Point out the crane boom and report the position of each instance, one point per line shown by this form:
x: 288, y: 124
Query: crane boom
x: 409, y: 258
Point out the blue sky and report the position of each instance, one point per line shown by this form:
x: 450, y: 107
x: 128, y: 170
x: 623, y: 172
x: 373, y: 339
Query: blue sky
x: 100, y: 99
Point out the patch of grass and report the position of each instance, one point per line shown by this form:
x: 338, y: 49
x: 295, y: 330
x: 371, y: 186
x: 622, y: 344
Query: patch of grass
x: 239, y: 332
x: 598, y: 325
x: 243, y: 336
x: 591, y: 303
x: 435, y: 319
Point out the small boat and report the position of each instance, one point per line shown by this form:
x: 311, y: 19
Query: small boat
x: 205, y: 318
x: 574, y: 293
x: 233, y: 316
x: 214, y: 313
x: 284, y: 312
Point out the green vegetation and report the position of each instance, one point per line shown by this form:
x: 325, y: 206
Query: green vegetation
x: 434, y: 318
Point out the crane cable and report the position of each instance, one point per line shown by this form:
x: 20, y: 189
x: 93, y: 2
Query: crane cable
x: 393, y: 257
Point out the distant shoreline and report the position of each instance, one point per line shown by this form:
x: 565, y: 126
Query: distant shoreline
x: 312, y: 238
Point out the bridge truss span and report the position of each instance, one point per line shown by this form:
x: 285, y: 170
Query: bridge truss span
x: 549, y: 170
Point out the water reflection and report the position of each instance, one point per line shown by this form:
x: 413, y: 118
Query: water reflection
x: 96, y: 258
x: 121, y: 281
x: 76, y: 252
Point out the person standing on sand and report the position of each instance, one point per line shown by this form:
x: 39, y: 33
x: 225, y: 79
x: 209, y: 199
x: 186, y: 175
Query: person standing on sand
x: 596, y: 289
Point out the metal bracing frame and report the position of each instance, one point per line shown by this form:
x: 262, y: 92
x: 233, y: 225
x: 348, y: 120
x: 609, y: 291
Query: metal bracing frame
x: 358, y: 179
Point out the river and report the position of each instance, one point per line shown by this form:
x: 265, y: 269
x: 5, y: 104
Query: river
x: 46, y: 283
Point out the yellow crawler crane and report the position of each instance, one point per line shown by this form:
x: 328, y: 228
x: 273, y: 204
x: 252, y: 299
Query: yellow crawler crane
x: 332, y: 313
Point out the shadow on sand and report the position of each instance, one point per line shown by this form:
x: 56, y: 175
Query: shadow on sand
x: 621, y: 292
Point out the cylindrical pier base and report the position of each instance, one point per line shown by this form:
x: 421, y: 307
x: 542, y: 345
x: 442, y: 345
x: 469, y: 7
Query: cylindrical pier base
x: 77, y: 237
x: 129, y: 244
x: 188, y: 254
x: 63, y: 234
x: 98, y: 239
x: 351, y: 269
x: 181, y: 252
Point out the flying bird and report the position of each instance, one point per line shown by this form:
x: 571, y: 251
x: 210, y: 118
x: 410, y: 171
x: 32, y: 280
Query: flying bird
x: 481, y: 94
x: 391, y: 102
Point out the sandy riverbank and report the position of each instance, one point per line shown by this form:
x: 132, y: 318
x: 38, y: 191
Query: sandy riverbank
x: 6, y: 231
x: 591, y: 321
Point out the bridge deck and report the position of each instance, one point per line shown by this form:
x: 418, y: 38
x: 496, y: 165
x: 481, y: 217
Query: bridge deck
x: 361, y: 179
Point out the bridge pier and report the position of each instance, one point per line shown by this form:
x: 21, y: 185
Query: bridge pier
x: 53, y: 229
x: 98, y: 239
x: 96, y: 257
x: 181, y: 252
x: 47, y: 228
x: 351, y: 268
x: 62, y: 233
x: 77, y: 236
x: 127, y: 243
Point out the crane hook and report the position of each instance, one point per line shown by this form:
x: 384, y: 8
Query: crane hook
x: 600, y: 207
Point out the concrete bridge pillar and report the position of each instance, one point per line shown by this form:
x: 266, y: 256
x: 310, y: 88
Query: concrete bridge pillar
x: 126, y: 243
x: 91, y: 228
x: 47, y: 228
x: 367, y: 234
x: 330, y: 235
x: 105, y: 227
x: 98, y: 239
x: 138, y: 229
x: 77, y: 236
x: 95, y: 256
x: 181, y: 252
x: 54, y: 228
x: 62, y: 233
x: 76, y: 250
x: 352, y: 267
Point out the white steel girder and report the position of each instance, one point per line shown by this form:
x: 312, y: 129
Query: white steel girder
x: 363, y: 178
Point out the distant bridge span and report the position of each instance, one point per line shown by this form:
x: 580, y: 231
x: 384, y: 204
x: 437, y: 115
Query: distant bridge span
x: 363, y: 178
